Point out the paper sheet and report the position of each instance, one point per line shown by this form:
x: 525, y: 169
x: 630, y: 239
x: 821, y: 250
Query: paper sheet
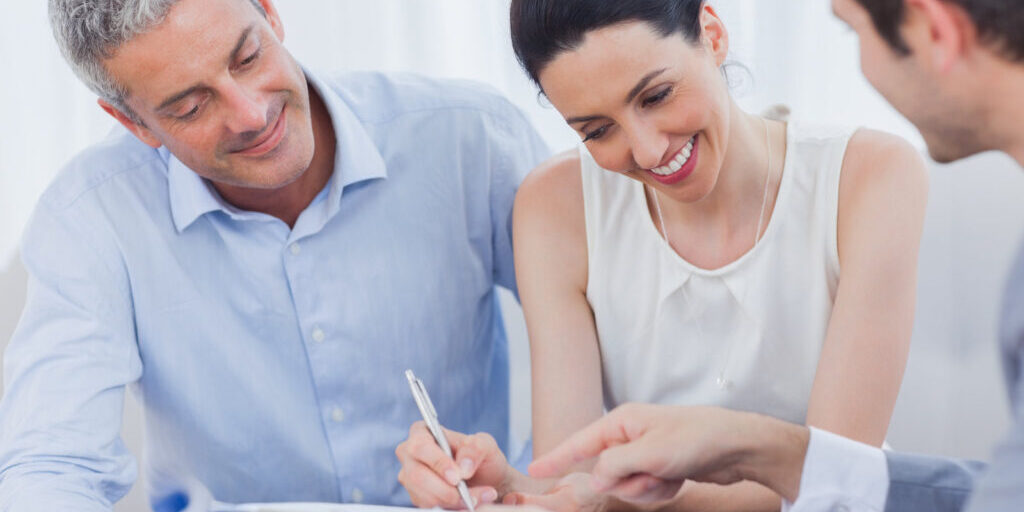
x: 317, y: 507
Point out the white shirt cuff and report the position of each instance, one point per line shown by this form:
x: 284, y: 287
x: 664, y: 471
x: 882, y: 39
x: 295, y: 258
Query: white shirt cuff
x: 841, y: 475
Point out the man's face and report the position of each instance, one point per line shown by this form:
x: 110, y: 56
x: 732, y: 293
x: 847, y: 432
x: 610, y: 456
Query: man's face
x: 947, y: 121
x: 213, y: 84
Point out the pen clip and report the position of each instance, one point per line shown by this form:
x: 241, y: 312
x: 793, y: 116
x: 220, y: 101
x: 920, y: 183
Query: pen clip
x: 417, y: 395
x: 426, y: 398
x: 426, y: 407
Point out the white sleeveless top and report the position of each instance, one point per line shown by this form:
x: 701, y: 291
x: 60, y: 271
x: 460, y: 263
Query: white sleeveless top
x: 668, y: 330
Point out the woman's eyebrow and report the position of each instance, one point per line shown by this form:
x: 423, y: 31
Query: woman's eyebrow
x: 629, y: 97
x: 643, y: 83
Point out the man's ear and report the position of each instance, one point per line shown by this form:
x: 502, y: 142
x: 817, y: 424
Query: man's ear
x: 137, y: 129
x: 273, y: 18
x: 713, y: 34
x: 940, y: 30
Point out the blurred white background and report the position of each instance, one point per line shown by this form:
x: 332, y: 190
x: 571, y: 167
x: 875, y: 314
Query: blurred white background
x: 795, y: 53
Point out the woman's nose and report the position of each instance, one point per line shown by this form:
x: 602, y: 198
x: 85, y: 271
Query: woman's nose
x: 648, y: 146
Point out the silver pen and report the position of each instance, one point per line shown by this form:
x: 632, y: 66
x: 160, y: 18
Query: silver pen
x: 426, y: 407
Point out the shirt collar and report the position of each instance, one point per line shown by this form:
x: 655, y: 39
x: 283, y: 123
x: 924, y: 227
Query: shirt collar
x: 356, y: 159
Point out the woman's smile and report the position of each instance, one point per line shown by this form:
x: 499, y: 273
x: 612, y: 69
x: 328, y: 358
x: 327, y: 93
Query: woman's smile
x: 680, y: 166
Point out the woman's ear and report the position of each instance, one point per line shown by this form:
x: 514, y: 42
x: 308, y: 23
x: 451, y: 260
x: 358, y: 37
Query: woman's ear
x: 714, y: 36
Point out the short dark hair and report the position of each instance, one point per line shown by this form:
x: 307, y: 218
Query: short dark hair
x: 542, y: 29
x: 1000, y: 23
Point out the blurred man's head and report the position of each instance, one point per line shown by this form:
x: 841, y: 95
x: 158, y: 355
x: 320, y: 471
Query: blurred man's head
x: 209, y: 79
x: 940, y: 63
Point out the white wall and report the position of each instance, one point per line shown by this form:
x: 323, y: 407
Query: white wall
x: 953, y: 401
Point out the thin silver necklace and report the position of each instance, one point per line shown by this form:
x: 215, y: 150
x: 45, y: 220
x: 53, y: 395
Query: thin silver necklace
x: 722, y: 382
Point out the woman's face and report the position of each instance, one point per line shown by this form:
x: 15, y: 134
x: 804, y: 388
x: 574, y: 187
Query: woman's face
x: 653, y: 108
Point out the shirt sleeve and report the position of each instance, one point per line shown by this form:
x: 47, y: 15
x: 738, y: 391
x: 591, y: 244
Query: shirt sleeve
x: 65, y: 369
x: 841, y: 475
x: 1002, y: 486
x: 522, y: 149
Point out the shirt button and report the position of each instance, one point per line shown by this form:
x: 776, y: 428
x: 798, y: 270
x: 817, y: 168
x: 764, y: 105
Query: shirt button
x: 295, y: 249
x: 357, y: 495
x: 338, y: 415
x: 318, y: 335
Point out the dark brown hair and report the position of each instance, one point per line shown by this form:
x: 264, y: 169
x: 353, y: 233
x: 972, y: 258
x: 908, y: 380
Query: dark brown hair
x: 1000, y: 23
x: 542, y: 29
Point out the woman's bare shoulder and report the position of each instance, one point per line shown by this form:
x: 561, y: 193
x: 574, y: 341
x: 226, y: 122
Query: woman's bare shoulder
x: 553, y: 191
x: 884, y: 183
x: 877, y: 160
x: 548, y: 213
x: 556, y: 177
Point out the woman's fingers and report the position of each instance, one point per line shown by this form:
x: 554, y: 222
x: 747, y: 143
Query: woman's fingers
x: 511, y: 508
x: 546, y: 501
x: 642, y: 488
x: 618, y: 466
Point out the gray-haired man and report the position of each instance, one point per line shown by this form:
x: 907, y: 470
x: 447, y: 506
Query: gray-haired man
x: 259, y: 255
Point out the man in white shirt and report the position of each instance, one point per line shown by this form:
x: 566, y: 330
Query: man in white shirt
x: 955, y: 68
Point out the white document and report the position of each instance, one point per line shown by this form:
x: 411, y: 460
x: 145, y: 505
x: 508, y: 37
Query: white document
x: 316, y: 507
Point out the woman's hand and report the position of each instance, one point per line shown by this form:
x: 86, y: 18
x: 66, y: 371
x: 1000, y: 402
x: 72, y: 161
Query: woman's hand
x: 573, y: 493
x: 430, y: 476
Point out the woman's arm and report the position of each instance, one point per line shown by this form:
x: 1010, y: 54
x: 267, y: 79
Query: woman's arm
x: 550, y: 241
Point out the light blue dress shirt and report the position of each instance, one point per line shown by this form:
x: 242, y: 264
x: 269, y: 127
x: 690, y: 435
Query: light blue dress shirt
x: 269, y: 360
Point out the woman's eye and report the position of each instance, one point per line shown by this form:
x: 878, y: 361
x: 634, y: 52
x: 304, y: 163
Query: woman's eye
x: 657, y: 98
x: 596, y: 134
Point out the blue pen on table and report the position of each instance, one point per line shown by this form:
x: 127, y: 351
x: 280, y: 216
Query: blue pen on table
x: 426, y: 407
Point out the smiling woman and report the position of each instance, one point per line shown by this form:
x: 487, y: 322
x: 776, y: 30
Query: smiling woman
x: 687, y: 252
x: 738, y: 299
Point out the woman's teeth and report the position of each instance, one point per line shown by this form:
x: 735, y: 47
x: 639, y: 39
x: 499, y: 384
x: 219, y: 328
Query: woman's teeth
x: 678, y: 162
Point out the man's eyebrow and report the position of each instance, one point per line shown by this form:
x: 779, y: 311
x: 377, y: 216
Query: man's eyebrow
x: 643, y: 83
x: 233, y: 57
x: 241, y: 41
x: 178, y: 97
